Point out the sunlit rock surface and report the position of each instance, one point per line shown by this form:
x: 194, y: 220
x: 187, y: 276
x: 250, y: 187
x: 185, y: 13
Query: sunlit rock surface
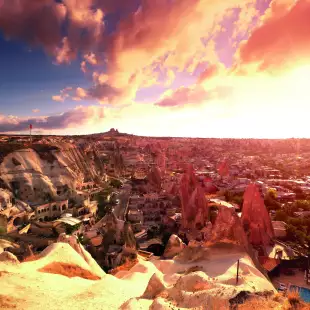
x: 255, y: 218
x: 173, y: 247
x: 193, y: 201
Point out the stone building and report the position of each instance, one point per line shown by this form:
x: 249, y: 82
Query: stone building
x: 50, y: 211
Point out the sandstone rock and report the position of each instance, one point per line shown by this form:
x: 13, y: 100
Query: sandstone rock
x: 193, y: 282
x: 154, y: 178
x: 192, y: 254
x: 258, y: 228
x: 193, y: 201
x: 174, y: 246
x: 154, y: 287
x: 8, y: 257
x: 72, y: 241
x: 228, y: 227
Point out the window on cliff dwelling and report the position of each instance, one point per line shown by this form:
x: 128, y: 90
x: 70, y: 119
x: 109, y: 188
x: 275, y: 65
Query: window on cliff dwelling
x: 246, y: 226
x: 199, y: 226
x: 213, y: 214
x: 54, y: 208
x: 63, y: 207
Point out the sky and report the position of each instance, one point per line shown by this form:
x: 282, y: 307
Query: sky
x: 184, y: 68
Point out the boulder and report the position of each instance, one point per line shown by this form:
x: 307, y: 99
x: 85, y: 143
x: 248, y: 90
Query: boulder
x: 8, y: 257
x: 154, y: 287
x: 174, y: 246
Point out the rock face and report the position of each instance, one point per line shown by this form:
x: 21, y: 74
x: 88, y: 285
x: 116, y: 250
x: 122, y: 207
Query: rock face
x: 228, y: 227
x: 255, y: 218
x: 193, y: 201
x: 154, y: 178
x: 154, y: 287
x: 73, y: 242
x: 46, y: 171
x: 174, y: 246
x: 8, y: 257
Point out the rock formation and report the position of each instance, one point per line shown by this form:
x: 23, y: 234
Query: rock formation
x: 46, y: 171
x: 8, y: 257
x: 154, y: 178
x: 227, y: 227
x: 154, y: 287
x: 73, y: 242
x: 129, y: 237
x: 173, y: 247
x: 193, y: 201
x: 258, y: 228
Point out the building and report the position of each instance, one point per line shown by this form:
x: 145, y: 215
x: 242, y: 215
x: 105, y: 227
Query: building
x: 135, y: 216
x: 50, y: 210
x: 279, y: 228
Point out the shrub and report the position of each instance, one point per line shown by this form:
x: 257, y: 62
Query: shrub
x: 293, y: 298
x: 2, y: 230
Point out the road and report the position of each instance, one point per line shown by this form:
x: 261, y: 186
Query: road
x: 120, y: 208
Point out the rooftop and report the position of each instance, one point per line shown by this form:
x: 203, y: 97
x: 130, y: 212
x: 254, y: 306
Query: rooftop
x: 69, y: 221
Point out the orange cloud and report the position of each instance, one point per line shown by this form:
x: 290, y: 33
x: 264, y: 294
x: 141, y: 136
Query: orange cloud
x: 282, y: 41
x: 183, y: 96
x: 91, y: 58
x: 58, y: 98
x: 212, y: 71
x: 142, y: 42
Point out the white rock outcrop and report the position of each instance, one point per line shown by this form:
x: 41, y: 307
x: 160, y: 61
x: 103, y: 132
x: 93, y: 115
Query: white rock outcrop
x: 174, y: 246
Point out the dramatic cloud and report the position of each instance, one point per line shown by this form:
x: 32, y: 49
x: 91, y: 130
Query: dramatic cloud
x: 42, y: 23
x: 77, y: 117
x: 143, y: 49
x: 36, y: 22
x: 214, y: 70
x: 283, y: 39
x: 183, y: 96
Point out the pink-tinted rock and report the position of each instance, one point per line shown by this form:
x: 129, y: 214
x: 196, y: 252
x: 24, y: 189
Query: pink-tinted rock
x: 154, y: 178
x: 174, y: 246
x: 228, y: 227
x: 223, y: 169
x: 255, y: 218
x: 193, y: 201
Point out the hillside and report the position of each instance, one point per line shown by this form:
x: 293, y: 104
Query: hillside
x: 45, y: 170
x: 206, y: 283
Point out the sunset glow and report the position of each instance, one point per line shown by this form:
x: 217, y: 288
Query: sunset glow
x: 210, y: 69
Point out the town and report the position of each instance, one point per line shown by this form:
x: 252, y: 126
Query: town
x: 124, y: 196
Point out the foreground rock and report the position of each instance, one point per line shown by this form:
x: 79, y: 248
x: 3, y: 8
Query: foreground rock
x: 174, y: 246
x: 8, y: 257
x: 57, y: 280
x: 154, y: 287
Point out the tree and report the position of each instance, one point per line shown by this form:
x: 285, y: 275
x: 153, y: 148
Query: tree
x: 272, y: 193
x: 165, y: 238
x: 281, y: 216
x: 2, y: 230
x: 116, y: 183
